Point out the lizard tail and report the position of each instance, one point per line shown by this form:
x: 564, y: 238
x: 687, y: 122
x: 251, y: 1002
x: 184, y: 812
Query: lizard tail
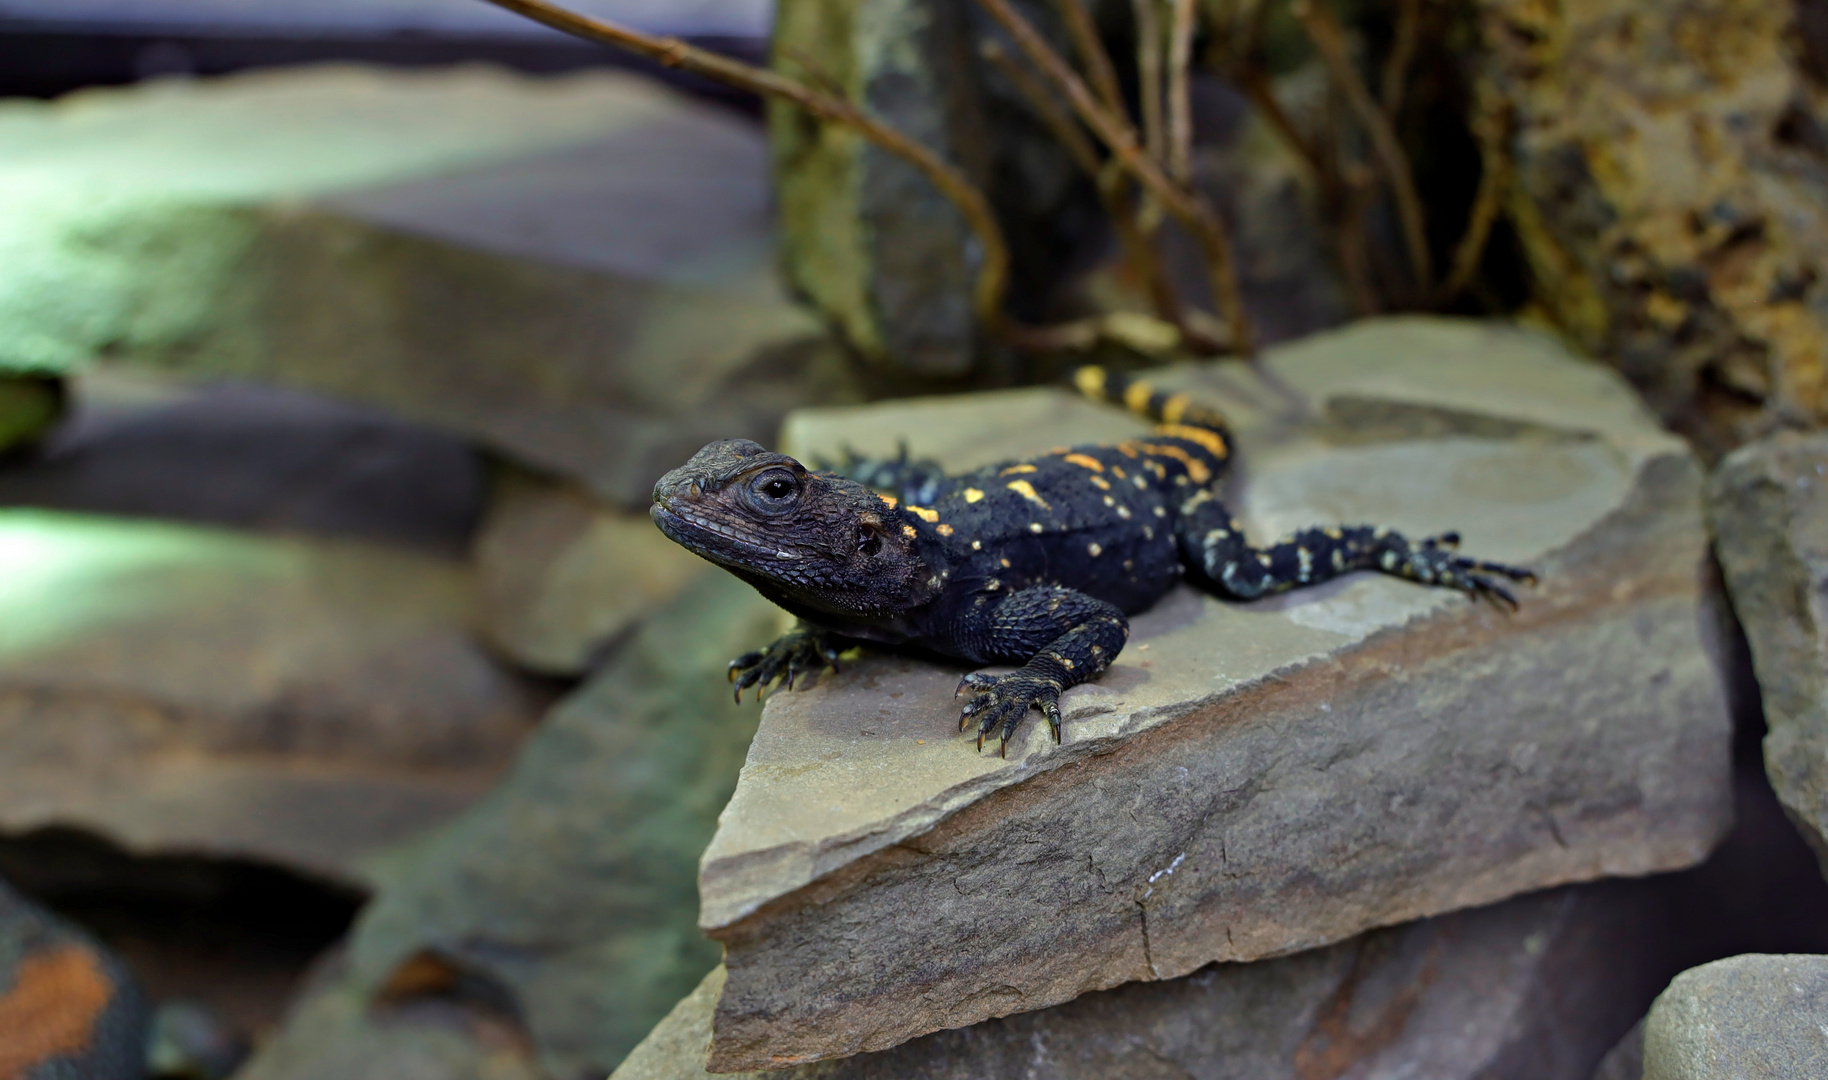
x: 1143, y: 399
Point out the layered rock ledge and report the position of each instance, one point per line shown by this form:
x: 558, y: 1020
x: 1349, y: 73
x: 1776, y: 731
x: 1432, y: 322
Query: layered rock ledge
x: 1250, y: 779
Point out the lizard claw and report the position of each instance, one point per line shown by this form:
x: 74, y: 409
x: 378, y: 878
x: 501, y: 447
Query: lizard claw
x: 799, y: 652
x: 1003, y: 701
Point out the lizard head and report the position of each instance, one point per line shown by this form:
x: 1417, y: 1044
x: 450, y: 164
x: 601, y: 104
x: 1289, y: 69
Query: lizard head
x: 816, y: 539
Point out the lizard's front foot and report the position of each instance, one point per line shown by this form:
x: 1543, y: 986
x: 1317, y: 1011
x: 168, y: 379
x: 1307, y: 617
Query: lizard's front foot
x: 1434, y: 562
x: 801, y: 651
x: 1006, y: 699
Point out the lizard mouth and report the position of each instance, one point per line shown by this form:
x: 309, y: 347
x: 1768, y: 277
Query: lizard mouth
x: 709, y: 537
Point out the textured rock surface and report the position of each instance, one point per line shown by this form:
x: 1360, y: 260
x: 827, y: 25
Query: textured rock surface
x: 68, y: 1009
x: 562, y: 575
x: 569, y: 890
x: 1535, y: 988
x: 1769, y: 504
x: 1251, y: 779
x: 182, y: 689
x: 516, y: 259
x: 1748, y: 1016
x: 1671, y: 195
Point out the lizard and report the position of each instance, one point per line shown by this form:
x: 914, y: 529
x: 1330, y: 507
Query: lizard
x: 1036, y: 563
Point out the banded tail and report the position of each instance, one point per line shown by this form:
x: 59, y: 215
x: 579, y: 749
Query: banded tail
x: 1143, y: 399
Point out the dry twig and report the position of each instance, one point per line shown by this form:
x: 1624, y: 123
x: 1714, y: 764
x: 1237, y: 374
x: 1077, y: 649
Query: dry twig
x: 1330, y: 42
x: 1115, y: 131
x: 1493, y: 127
x: 1402, y: 54
x: 1180, y: 92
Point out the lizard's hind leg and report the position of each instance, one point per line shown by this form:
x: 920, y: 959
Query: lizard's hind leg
x: 1212, y: 543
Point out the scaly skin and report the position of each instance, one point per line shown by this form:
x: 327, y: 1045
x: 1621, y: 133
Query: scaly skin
x: 1034, y: 562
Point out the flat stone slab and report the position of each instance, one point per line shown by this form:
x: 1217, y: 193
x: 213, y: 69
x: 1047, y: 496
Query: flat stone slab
x: 188, y: 690
x: 563, y: 577
x: 1747, y: 1016
x: 1536, y: 987
x: 1251, y: 779
x: 576, y: 271
x: 1769, y: 505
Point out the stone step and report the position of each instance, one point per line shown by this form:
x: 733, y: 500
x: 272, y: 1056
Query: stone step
x: 1456, y: 997
x: 1256, y: 779
x: 1747, y: 1016
x: 576, y: 271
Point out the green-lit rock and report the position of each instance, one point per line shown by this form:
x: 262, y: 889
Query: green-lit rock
x: 185, y: 689
x: 577, y: 271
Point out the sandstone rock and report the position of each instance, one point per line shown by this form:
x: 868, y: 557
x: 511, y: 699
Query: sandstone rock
x: 189, y: 690
x: 68, y: 1008
x: 1769, y: 505
x: 254, y: 458
x: 571, y: 887
x: 1250, y: 779
x: 1535, y: 988
x: 516, y: 259
x: 1669, y: 194
x: 1748, y: 1016
x: 562, y: 575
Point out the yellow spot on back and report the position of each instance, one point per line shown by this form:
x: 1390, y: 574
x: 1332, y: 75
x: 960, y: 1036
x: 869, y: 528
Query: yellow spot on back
x: 908, y: 531
x: 1016, y: 469
x: 973, y: 495
x: 891, y: 500
x: 1175, y: 408
x: 1195, y: 467
x: 1101, y: 483
x: 1027, y: 491
x: 924, y: 514
x: 1085, y: 462
x: 944, y: 530
x: 1210, y: 441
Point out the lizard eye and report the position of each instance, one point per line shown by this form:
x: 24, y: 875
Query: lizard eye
x: 774, y: 490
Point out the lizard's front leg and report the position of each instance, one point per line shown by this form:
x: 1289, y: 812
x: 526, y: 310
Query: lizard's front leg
x: 1064, y: 637
x: 800, y: 651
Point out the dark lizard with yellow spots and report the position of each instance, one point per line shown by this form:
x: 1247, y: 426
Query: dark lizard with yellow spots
x: 1034, y: 562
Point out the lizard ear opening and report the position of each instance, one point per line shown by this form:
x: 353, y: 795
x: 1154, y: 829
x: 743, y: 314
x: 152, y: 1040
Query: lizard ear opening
x: 869, y: 535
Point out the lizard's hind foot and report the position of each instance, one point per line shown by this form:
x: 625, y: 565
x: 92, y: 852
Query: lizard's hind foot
x: 803, y: 650
x: 1433, y: 562
x: 1005, y: 700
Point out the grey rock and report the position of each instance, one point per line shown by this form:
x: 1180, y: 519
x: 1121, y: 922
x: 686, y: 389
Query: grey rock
x: 1625, y: 1061
x: 1745, y: 1018
x: 181, y: 689
x: 1535, y: 988
x: 865, y: 236
x: 69, y: 1009
x: 1251, y: 779
x: 253, y: 458
x: 517, y: 260
x: 563, y: 576
x: 1769, y: 508
x: 571, y: 887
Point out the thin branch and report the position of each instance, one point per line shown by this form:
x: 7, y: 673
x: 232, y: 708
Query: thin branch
x: 1494, y: 130
x: 1330, y: 41
x: 1114, y: 130
x: 993, y: 272
x: 1402, y: 54
x: 1092, y: 53
x: 1180, y: 92
x: 1112, y: 186
x: 1149, y: 75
